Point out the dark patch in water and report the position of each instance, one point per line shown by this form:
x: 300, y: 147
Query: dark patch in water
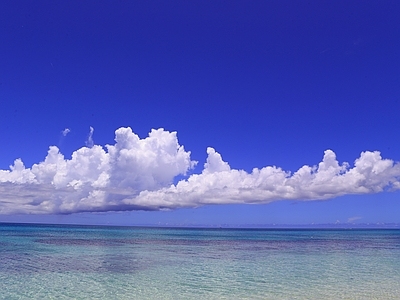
x: 110, y: 263
x: 300, y: 245
x: 82, y: 242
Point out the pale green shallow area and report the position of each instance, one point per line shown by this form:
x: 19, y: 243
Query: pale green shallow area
x: 61, y: 262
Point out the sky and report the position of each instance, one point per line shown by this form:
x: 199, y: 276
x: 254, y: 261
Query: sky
x: 200, y: 113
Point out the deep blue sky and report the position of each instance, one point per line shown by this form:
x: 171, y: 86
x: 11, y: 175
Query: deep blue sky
x: 262, y: 82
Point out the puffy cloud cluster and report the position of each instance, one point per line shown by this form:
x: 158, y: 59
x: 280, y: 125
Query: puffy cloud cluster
x: 219, y: 184
x: 95, y: 178
x: 138, y: 174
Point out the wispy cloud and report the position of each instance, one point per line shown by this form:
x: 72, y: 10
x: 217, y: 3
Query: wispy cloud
x: 65, y: 131
x: 138, y: 173
x: 353, y: 219
x: 89, y: 142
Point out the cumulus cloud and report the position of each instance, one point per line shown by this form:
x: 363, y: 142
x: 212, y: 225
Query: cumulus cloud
x: 136, y: 173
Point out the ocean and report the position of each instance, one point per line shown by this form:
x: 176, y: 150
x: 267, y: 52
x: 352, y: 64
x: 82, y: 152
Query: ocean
x: 100, y: 262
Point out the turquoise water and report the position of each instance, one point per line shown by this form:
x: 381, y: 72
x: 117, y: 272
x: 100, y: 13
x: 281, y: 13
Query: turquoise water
x: 78, y: 262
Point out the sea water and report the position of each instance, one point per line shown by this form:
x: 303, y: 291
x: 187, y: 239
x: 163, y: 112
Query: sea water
x: 94, y: 262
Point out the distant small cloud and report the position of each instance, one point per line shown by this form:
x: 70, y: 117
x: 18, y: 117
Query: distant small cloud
x: 65, y: 131
x: 352, y: 219
x: 89, y: 142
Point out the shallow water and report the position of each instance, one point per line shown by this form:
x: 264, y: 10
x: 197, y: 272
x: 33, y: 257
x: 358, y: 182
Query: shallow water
x: 87, y: 262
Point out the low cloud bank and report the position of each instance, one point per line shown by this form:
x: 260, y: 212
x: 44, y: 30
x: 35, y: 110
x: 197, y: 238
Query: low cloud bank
x: 137, y: 174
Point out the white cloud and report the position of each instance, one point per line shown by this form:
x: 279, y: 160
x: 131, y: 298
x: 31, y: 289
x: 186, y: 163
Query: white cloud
x: 66, y: 131
x: 89, y: 141
x: 353, y: 219
x: 138, y: 173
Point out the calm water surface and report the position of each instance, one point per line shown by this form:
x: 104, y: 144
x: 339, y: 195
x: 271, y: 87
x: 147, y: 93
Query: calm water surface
x: 85, y: 262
